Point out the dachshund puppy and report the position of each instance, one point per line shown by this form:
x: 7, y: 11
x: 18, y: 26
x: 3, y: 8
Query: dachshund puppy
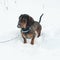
x: 29, y: 27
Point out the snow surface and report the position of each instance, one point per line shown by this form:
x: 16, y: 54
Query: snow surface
x: 46, y: 47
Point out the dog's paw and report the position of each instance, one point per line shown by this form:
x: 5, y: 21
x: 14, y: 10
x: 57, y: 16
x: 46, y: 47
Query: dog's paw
x: 25, y: 42
x: 32, y: 43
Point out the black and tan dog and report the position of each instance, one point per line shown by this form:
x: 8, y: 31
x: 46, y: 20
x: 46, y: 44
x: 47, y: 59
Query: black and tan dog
x: 29, y: 27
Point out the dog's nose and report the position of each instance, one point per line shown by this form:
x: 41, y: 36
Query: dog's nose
x: 18, y: 26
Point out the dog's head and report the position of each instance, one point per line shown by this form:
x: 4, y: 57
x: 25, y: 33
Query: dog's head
x: 25, y: 21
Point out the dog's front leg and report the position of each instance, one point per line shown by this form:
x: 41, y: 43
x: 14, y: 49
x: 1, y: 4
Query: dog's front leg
x: 24, y: 38
x: 32, y: 41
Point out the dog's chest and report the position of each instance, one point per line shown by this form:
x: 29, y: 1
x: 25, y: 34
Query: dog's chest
x: 27, y: 33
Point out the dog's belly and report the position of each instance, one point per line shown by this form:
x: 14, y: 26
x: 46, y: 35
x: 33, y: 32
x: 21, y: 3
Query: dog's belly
x: 28, y: 36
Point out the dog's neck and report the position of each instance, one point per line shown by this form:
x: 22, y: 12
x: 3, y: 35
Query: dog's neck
x: 25, y: 30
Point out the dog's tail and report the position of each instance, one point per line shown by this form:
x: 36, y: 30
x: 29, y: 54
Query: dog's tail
x: 40, y: 17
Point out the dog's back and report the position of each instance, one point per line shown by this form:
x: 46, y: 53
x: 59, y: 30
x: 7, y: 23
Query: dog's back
x: 35, y: 26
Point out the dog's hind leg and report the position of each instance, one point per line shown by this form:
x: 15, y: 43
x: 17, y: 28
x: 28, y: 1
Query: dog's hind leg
x: 38, y: 31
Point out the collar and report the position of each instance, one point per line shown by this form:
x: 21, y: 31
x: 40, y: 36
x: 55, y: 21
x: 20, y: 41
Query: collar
x: 26, y: 30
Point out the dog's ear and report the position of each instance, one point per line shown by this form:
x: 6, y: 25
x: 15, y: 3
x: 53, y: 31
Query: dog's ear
x: 30, y: 21
x: 20, y: 17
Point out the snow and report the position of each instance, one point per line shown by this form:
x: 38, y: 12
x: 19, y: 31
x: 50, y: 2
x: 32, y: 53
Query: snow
x: 47, y: 46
